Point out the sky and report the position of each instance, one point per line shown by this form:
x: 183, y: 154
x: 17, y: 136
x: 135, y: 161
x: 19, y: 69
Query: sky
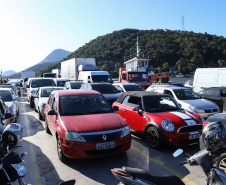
x: 31, y: 29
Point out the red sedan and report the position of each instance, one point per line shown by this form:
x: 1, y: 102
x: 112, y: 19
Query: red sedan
x: 85, y: 125
x: 159, y: 118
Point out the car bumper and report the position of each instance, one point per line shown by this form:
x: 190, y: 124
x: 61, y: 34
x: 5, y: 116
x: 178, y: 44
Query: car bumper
x: 88, y: 150
x: 183, y: 139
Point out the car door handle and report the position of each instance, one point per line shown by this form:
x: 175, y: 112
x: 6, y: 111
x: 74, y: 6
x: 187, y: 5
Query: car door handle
x: 124, y: 110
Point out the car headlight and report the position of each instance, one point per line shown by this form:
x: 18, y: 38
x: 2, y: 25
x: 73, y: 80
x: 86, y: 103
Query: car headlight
x: 196, y: 109
x: 125, y: 131
x: 74, y: 136
x: 43, y: 105
x: 20, y: 168
x: 168, y: 125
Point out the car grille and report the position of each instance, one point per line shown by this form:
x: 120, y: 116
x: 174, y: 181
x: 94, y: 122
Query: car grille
x: 188, y: 129
x: 102, y: 136
x: 102, y: 152
x: 210, y: 110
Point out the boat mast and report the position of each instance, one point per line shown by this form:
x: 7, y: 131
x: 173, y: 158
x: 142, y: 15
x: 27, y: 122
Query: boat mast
x: 138, y: 49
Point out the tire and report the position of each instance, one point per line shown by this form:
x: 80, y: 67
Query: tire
x: 40, y: 116
x: 153, y: 138
x: 31, y: 104
x: 60, y: 152
x: 47, y: 128
x: 221, y: 162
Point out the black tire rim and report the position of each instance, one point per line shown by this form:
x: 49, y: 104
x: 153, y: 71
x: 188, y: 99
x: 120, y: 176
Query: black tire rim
x: 152, y: 138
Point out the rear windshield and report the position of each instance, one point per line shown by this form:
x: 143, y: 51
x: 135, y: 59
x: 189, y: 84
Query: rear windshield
x: 76, y: 85
x: 105, y: 89
x: 42, y: 83
x: 46, y: 92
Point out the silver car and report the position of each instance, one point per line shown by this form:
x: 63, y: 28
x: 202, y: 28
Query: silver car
x: 189, y: 100
x: 11, y: 101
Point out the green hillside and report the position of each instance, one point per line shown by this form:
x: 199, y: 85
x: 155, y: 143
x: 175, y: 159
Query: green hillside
x: 184, y: 50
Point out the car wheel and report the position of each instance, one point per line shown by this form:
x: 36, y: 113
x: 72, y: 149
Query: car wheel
x: 61, y: 155
x: 153, y: 138
x: 31, y: 104
x: 221, y: 162
x: 40, y: 116
x: 47, y: 128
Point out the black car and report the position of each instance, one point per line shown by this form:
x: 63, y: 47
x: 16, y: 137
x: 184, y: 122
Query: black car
x: 107, y: 89
x: 214, y: 94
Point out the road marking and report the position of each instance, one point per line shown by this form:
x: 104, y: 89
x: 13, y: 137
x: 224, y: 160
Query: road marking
x: 33, y: 158
x: 163, y: 166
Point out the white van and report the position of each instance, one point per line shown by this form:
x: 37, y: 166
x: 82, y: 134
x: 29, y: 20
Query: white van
x: 209, y: 77
x: 94, y: 76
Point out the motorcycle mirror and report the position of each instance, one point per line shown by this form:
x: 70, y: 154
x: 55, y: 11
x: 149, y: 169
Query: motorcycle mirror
x: 177, y: 152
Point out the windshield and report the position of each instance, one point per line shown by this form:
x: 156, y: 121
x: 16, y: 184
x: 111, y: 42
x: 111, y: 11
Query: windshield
x: 76, y: 85
x: 42, y: 83
x: 61, y: 83
x: 46, y: 92
x: 105, y: 88
x: 186, y: 94
x: 83, y: 104
x: 102, y: 78
x: 133, y: 88
x: 159, y: 104
x: 135, y: 76
x: 6, y: 96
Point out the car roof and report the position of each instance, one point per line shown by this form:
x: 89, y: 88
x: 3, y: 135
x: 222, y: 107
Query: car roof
x: 125, y: 84
x: 76, y: 92
x: 48, y: 87
x: 170, y: 87
x: 137, y: 94
x: 6, y: 89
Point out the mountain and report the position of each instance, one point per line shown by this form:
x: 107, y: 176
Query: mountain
x: 8, y: 73
x: 181, y: 50
x: 54, y: 57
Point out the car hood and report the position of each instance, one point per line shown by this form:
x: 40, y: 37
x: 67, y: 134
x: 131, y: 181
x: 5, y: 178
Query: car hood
x: 9, y: 103
x: 93, y: 122
x: 179, y: 118
x: 44, y: 99
x: 201, y: 103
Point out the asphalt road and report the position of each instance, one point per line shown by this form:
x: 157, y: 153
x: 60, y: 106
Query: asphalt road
x: 45, y: 168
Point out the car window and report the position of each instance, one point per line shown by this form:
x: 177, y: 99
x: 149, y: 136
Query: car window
x: 133, y: 88
x: 6, y: 96
x: 223, y: 93
x: 83, y: 104
x: 132, y: 101
x: 42, y: 83
x: 168, y: 92
x: 60, y: 83
x: 159, y: 104
x: 212, y: 91
x: 105, y: 89
x: 185, y: 94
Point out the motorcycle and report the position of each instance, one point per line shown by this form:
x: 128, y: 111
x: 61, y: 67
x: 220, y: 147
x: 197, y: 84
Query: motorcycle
x: 135, y: 176
x: 12, y: 165
x: 204, y: 158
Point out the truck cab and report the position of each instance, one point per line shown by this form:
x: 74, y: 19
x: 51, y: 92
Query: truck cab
x: 94, y: 76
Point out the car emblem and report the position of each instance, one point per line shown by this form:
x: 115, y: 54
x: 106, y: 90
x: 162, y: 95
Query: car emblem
x: 104, y: 137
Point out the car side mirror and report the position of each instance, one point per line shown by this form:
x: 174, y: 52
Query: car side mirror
x: 116, y: 108
x: 140, y: 112
x: 52, y: 112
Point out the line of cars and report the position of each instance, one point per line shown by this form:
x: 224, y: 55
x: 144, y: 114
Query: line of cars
x: 86, y: 125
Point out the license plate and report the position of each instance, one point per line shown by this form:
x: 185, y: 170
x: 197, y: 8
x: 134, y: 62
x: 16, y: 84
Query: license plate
x: 194, y: 136
x: 102, y: 146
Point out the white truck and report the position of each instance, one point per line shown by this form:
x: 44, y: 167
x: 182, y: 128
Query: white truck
x: 25, y: 75
x: 83, y: 69
x: 57, y: 71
